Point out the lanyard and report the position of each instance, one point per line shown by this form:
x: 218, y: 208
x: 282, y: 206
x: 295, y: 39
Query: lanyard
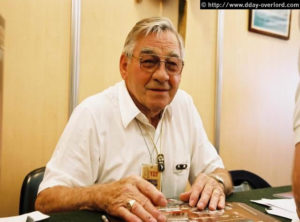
x: 160, y: 157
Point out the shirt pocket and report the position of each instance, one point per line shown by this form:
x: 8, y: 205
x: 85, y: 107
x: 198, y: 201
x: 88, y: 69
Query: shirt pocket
x: 181, y: 167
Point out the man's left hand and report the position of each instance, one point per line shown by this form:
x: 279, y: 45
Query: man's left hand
x: 205, y: 191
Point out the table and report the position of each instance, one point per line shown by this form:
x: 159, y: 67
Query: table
x: 244, y: 197
x: 257, y: 194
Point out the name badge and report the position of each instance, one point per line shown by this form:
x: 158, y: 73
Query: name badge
x: 151, y: 173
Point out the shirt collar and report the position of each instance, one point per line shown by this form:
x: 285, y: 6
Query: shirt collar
x: 128, y: 109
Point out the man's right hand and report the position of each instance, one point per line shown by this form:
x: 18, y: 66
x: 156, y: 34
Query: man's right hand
x: 112, y: 198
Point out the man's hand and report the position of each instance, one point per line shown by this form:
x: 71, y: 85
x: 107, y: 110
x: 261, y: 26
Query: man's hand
x: 205, y: 190
x: 114, y: 197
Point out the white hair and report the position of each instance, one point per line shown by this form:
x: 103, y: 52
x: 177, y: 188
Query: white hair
x: 148, y: 26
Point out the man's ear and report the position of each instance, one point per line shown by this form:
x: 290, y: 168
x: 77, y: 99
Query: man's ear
x: 123, y: 65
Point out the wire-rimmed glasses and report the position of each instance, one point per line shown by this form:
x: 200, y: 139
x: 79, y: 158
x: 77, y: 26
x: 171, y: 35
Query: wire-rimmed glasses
x: 150, y: 63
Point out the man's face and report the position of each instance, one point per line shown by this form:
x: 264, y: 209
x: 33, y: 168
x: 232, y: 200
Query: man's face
x: 151, y: 91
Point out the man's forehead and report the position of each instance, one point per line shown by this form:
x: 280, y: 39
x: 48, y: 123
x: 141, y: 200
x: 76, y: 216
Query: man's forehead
x: 157, y: 43
x: 149, y: 51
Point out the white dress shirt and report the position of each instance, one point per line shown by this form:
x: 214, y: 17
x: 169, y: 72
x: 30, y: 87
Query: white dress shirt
x: 102, y: 142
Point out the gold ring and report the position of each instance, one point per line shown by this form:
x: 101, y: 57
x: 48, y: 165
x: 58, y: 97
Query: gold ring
x: 130, y: 204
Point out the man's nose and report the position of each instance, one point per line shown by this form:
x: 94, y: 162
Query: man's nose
x: 161, y: 73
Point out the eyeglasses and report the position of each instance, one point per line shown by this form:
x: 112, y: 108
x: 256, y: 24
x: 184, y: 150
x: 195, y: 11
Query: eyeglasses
x: 150, y: 63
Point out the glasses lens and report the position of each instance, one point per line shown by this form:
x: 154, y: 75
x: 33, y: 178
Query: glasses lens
x: 173, y: 65
x: 149, y: 62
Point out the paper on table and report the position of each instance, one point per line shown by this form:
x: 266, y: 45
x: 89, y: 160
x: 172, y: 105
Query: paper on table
x: 282, y: 213
x: 286, y: 204
x: 35, y: 216
x: 280, y: 207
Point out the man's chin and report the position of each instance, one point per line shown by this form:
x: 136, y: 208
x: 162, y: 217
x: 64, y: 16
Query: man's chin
x: 157, y: 107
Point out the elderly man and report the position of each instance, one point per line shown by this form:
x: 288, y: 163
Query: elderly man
x: 129, y: 148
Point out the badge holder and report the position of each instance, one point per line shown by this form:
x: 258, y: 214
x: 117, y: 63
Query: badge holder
x: 151, y: 173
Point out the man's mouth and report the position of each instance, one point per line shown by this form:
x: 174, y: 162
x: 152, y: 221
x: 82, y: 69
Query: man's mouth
x: 158, y: 89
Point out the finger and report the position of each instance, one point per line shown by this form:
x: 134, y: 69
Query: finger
x: 222, y: 202
x: 127, y: 215
x: 197, y: 190
x: 205, y: 196
x: 215, y: 199
x: 142, y: 213
x: 154, y: 211
x: 152, y: 193
x: 185, y: 196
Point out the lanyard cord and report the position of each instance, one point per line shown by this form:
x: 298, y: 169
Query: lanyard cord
x: 150, y: 155
x: 152, y: 140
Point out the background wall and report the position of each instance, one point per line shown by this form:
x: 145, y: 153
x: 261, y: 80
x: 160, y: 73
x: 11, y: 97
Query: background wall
x: 35, y: 89
x: 2, y: 26
x: 200, y: 62
x: 259, y: 81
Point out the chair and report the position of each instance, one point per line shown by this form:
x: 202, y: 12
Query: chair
x: 244, y: 180
x: 29, y: 190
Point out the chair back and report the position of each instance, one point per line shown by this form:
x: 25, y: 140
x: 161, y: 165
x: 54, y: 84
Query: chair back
x: 29, y: 190
x: 245, y: 180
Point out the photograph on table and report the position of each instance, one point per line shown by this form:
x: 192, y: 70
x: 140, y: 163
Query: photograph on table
x: 177, y: 210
